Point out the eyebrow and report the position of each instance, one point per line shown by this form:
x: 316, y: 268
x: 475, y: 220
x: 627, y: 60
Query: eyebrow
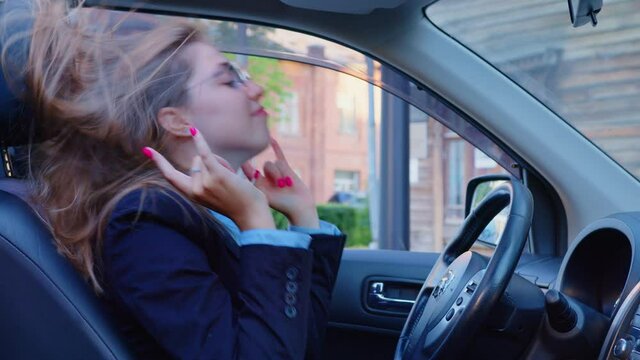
x: 226, y: 66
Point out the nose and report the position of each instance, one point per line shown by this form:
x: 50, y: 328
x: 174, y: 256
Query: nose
x: 254, y: 91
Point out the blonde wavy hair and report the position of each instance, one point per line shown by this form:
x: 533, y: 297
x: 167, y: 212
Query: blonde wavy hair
x: 95, y: 81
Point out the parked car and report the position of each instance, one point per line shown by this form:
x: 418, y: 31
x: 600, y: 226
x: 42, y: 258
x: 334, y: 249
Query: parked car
x: 467, y: 88
x: 349, y: 198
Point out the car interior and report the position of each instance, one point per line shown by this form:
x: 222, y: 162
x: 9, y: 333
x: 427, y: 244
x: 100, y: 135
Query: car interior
x: 562, y: 282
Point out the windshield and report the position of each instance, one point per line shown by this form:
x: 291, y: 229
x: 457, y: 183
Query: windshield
x: 589, y: 76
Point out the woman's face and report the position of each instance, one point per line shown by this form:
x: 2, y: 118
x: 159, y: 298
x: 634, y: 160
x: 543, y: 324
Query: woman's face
x: 225, y: 109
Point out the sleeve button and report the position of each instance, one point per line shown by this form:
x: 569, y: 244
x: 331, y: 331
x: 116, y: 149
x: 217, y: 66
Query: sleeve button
x: 290, y: 299
x: 290, y: 311
x: 292, y: 287
x: 292, y: 273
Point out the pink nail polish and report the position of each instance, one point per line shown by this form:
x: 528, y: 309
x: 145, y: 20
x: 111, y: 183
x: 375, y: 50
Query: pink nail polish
x: 281, y: 183
x: 288, y: 181
x: 256, y: 174
x: 147, y: 152
x: 193, y: 131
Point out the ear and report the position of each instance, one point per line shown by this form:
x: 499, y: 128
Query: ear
x: 173, y: 121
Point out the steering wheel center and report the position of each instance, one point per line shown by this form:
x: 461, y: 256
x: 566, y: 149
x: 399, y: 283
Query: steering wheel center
x: 457, y: 282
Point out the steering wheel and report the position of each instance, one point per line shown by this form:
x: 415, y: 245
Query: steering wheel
x: 465, y: 285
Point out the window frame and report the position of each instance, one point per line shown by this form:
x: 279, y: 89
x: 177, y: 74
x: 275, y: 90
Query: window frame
x: 428, y: 101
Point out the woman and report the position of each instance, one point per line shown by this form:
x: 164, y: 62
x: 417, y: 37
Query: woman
x: 182, y: 249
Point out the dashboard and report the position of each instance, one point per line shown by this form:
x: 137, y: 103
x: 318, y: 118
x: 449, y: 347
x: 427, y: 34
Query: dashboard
x: 623, y: 340
x: 599, y: 292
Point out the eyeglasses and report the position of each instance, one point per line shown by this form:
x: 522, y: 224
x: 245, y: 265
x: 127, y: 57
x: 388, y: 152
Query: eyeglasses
x: 239, y: 76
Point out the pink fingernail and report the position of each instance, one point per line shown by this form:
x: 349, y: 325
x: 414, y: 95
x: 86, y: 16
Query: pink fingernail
x: 288, y: 181
x: 193, y: 131
x: 256, y: 174
x: 147, y: 152
x: 281, y: 183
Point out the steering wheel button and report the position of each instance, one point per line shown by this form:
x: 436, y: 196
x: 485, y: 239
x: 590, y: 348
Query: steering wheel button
x: 459, y: 301
x: 471, y: 287
x: 450, y: 314
x: 636, y: 321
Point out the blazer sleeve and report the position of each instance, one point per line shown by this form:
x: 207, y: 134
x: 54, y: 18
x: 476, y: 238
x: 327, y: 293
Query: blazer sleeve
x: 327, y: 252
x: 163, y: 277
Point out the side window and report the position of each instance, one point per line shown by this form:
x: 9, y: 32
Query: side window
x: 329, y: 125
x: 322, y: 125
x: 444, y: 165
x: 333, y: 142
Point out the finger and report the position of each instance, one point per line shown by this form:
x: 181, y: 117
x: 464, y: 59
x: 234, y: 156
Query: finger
x: 207, y: 176
x: 179, y: 180
x: 277, y: 150
x: 210, y: 160
x: 287, y: 174
x: 224, y: 163
x: 197, y: 186
x: 250, y: 172
x: 284, y: 168
x: 272, y: 173
x: 281, y: 161
x: 202, y: 147
x: 214, y: 168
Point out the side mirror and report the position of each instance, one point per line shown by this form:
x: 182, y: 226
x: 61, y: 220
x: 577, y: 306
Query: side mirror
x: 477, y: 190
x: 584, y: 11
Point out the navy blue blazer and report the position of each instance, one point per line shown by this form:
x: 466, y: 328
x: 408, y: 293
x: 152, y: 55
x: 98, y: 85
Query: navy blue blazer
x: 179, y: 286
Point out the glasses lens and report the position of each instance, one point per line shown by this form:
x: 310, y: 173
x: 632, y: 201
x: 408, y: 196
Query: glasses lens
x: 239, y: 74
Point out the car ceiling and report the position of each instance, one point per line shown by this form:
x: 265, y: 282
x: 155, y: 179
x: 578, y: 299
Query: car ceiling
x: 359, y: 23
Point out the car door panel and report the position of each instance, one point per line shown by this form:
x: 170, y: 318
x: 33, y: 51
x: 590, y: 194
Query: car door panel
x: 360, y: 325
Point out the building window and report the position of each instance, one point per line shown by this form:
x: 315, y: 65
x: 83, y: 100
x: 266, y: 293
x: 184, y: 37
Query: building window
x: 289, y: 122
x: 455, y: 178
x: 482, y: 161
x: 346, y: 181
x: 346, y: 104
x: 414, y: 171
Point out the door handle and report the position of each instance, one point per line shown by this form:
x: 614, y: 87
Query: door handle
x: 391, y: 297
x: 377, y: 291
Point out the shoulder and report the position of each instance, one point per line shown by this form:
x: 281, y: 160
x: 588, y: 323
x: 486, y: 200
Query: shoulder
x: 151, y: 200
x: 160, y: 206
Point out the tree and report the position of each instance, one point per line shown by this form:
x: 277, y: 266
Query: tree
x: 264, y: 71
x: 269, y: 74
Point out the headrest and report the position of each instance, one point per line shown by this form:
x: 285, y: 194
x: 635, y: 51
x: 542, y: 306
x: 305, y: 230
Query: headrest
x: 16, y: 17
x: 15, y: 124
x: 15, y: 121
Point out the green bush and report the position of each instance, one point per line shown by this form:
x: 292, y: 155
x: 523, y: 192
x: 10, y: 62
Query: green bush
x: 280, y: 220
x: 354, y: 222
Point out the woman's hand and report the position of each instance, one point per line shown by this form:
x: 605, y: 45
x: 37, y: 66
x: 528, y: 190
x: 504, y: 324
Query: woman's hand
x: 214, y: 184
x: 284, y: 190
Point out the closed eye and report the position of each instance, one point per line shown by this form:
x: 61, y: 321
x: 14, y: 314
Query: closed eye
x: 233, y: 83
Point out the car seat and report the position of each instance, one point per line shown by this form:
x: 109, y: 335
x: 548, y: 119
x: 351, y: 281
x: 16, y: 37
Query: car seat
x: 46, y: 309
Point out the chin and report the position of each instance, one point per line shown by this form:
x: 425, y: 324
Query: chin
x: 265, y: 139
x: 264, y: 144
x: 258, y: 146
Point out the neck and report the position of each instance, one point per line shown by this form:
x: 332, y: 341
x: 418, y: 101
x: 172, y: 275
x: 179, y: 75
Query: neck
x: 235, y: 158
x: 182, y: 154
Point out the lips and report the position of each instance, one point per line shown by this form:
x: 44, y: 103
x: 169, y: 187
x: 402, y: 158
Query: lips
x: 260, y: 112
